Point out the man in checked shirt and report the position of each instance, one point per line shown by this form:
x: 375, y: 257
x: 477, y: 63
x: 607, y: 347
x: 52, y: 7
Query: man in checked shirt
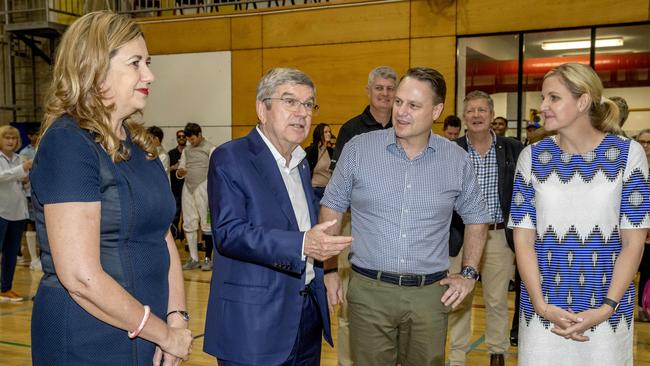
x: 402, y: 185
x: 494, y: 159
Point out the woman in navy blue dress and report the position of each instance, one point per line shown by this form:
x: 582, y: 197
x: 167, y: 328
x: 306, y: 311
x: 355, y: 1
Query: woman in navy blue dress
x: 112, y: 290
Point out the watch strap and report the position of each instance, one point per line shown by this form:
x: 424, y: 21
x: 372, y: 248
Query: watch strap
x: 612, y: 303
x: 183, y: 314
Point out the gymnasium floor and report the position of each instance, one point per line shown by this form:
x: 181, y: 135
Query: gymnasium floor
x: 15, y: 339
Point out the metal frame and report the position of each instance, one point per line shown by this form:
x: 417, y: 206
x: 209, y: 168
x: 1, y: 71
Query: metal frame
x: 592, y: 56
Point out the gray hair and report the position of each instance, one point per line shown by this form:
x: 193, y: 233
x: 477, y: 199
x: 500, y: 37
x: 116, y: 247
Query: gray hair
x: 384, y: 72
x: 279, y: 76
x: 477, y: 94
x: 623, y: 109
x: 642, y: 132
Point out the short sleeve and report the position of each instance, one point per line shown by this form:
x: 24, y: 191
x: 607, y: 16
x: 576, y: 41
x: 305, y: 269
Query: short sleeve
x: 635, y: 199
x: 522, y: 210
x: 470, y: 204
x: 338, y: 193
x: 66, y: 168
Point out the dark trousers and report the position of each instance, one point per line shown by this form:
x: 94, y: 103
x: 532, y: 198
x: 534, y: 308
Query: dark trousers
x: 644, y: 271
x: 319, y: 192
x: 207, y: 239
x: 10, y: 234
x: 306, y: 349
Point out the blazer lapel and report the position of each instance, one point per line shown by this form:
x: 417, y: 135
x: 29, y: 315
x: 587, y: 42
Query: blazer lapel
x: 268, y: 169
x: 305, y: 177
x: 501, y: 162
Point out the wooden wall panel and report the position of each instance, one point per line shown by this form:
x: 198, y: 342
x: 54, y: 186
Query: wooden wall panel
x: 196, y: 35
x: 373, y: 22
x: 246, y: 32
x: 484, y: 16
x: 246, y: 72
x: 440, y: 54
x: 431, y: 18
x: 340, y: 72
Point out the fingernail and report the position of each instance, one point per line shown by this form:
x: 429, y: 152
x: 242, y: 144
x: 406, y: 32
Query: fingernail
x: 580, y: 319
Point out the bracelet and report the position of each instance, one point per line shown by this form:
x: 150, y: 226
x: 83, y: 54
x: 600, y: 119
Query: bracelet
x: 330, y: 270
x: 147, y: 313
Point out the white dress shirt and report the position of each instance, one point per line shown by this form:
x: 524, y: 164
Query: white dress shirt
x: 293, y: 183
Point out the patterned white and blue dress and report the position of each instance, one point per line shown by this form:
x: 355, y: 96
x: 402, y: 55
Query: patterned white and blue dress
x: 578, y: 203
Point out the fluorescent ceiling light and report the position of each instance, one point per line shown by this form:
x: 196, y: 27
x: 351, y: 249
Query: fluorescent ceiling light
x: 574, y: 45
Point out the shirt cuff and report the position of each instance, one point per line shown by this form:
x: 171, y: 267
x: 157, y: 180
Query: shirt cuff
x: 302, y: 251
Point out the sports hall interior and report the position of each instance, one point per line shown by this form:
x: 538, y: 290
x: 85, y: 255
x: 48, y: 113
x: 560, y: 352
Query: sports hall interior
x: 491, y: 45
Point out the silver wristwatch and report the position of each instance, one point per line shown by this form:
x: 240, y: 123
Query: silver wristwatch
x: 470, y: 273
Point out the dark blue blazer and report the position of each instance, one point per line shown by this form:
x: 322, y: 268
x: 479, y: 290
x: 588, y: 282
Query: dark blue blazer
x: 255, y: 303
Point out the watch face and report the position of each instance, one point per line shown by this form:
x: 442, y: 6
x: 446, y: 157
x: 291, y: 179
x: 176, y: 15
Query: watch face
x: 469, y: 272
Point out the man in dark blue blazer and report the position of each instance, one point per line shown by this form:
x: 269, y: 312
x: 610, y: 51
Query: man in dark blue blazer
x: 267, y: 303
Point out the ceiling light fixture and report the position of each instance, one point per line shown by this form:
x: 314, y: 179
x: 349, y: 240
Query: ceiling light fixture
x: 574, y: 45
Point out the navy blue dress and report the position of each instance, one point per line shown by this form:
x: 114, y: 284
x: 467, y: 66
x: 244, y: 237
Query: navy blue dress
x: 137, y: 208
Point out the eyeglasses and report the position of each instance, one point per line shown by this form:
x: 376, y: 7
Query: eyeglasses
x: 294, y: 104
x: 644, y: 143
x: 178, y: 137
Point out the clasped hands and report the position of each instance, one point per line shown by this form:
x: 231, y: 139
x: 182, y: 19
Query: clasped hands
x: 572, y: 325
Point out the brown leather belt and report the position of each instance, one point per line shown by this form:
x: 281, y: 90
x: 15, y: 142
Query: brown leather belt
x: 498, y: 226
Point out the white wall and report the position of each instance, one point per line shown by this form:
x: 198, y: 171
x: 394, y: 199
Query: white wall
x: 191, y: 87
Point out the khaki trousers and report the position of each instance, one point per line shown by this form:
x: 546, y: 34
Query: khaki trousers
x: 391, y: 324
x: 496, y: 272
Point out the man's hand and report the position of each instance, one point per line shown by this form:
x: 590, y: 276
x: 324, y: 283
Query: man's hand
x: 321, y: 246
x: 181, y: 172
x: 459, y: 288
x: 334, y: 290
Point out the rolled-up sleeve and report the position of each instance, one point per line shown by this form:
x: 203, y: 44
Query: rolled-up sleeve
x: 338, y: 192
x: 470, y: 204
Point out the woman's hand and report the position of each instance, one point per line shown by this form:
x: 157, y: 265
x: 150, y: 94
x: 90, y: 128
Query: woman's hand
x: 589, y: 318
x: 178, y: 344
x: 561, y: 319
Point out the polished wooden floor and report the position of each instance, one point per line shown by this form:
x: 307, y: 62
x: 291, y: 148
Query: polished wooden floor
x: 15, y: 341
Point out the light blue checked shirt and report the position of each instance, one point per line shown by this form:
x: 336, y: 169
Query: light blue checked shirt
x: 487, y: 172
x: 401, y: 208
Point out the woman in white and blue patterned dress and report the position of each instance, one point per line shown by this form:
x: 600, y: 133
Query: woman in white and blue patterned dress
x: 581, y: 207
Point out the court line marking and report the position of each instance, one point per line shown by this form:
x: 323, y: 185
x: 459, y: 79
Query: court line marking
x: 16, y: 344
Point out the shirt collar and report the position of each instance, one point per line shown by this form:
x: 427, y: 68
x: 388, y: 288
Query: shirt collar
x: 494, y: 140
x: 391, y: 140
x: 369, y: 120
x: 296, y: 155
x: 12, y: 159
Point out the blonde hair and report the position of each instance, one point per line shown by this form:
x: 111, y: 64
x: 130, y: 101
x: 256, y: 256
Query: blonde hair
x: 81, y: 64
x: 581, y: 79
x: 8, y: 130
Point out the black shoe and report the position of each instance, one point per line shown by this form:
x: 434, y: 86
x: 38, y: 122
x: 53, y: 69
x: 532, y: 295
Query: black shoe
x: 511, y: 286
x: 497, y: 359
x: 514, y: 338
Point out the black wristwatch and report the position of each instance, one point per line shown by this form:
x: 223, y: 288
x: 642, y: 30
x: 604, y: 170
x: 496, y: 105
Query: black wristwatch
x: 184, y: 314
x: 612, y: 303
x: 470, y: 273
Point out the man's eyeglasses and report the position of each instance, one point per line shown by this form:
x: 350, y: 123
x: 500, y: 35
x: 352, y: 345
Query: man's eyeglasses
x: 178, y: 137
x: 294, y: 104
x: 644, y: 143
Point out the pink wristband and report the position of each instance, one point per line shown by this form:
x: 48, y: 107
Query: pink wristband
x: 147, y: 312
